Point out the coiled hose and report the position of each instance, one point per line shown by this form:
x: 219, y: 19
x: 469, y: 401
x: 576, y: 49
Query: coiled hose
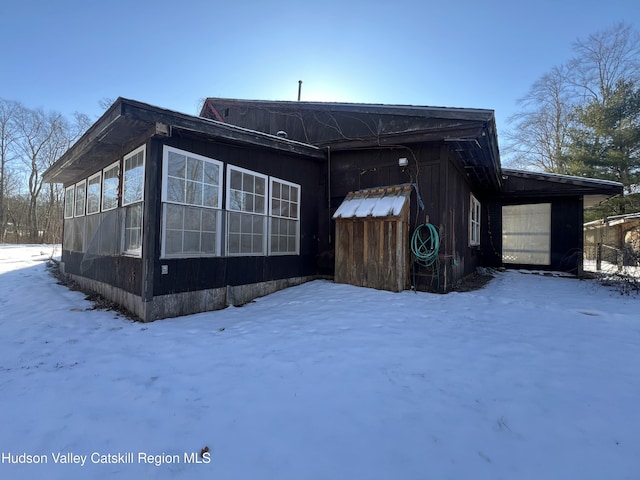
x: 425, y: 246
x: 425, y: 243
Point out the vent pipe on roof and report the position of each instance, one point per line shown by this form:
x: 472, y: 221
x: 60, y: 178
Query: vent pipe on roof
x: 299, y: 89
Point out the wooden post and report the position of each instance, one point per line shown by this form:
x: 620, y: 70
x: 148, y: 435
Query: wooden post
x: 598, y: 256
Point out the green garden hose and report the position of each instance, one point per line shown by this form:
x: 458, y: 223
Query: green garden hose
x: 425, y: 243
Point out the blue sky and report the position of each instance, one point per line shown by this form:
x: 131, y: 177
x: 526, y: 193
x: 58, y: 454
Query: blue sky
x: 67, y: 55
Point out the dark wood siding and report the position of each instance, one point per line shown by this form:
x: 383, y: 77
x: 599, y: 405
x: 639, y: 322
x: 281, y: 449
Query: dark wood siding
x: 119, y: 271
x: 443, y: 188
x: 191, y: 274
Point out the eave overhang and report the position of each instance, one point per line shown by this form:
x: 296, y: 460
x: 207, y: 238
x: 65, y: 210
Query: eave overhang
x: 543, y: 185
x: 128, y: 120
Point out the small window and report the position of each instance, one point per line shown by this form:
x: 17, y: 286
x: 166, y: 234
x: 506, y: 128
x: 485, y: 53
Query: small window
x: 474, y: 222
x: 284, y: 209
x: 81, y: 195
x: 133, y: 178
x: 68, y: 201
x: 93, y: 193
x: 110, y: 186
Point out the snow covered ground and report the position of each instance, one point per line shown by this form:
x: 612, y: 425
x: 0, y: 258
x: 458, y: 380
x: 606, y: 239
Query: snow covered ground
x: 532, y: 377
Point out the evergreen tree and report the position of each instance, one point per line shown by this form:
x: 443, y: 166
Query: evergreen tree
x: 606, y: 144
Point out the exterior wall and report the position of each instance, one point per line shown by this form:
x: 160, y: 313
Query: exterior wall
x: 206, y: 273
x: 91, y: 246
x: 444, y: 190
x: 458, y: 259
x: 191, y: 284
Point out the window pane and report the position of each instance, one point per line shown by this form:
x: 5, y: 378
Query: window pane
x: 260, y: 186
x: 174, y: 216
x: 133, y: 228
x: 175, y: 190
x: 192, y: 219
x: 191, y: 242
x: 245, y: 244
x: 133, y: 178
x: 259, y: 204
x: 233, y: 243
x: 68, y: 202
x: 194, y: 193
x: 81, y: 191
x: 234, y: 222
x: 176, y: 165
x: 93, y: 194
x: 173, y: 242
x: 194, y: 170
x: 110, y: 188
x: 211, y: 174
x: 209, y: 241
x: 209, y: 220
x: 236, y: 180
x: 210, y: 196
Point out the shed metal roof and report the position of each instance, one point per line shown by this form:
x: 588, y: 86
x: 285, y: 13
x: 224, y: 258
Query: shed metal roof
x: 374, y: 203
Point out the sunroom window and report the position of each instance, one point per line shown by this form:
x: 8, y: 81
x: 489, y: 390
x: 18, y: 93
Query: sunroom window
x: 68, y: 201
x: 284, y: 208
x: 192, y: 197
x: 247, y: 208
x: 93, y: 193
x: 81, y: 195
x: 132, y: 197
x: 110, y: 186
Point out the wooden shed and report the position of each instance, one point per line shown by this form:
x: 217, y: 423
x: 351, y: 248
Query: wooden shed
x: 372, y: 246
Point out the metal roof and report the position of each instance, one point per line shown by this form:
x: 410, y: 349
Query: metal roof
x: 129, y: 121
x: 374, y: 202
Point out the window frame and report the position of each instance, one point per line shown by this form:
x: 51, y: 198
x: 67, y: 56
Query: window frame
x: 99, y: 205
x: 131, y: 206
x: 279, y: 216
x: 84, y: 199
x: 114, y: 165
x: 134, y: 252
x: 165, y: 177
x: 143, y: 149
x: 475, y: 221
x: 263, y: 215
x: 69, y: 206
x: 185, y: 205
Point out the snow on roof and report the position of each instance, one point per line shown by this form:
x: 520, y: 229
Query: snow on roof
x: 376, y: 203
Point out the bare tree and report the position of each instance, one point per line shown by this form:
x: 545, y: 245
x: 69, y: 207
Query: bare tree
x: 539, y: 138
x: 602, y: 60
x: 540, y: 135
x: 40, y: 142
x: 8, y: 111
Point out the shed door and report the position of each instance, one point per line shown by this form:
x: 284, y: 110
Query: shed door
x: 371, y: 253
